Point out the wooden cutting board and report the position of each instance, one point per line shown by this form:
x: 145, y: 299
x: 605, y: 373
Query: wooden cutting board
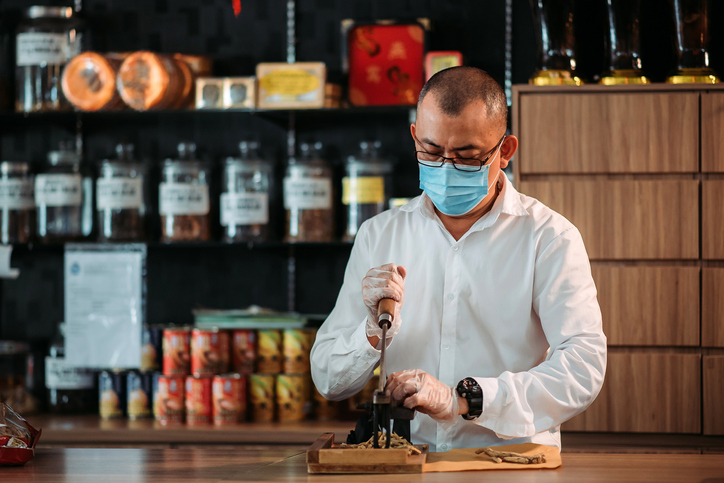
x: 324, y: 457
x: 467, y: 460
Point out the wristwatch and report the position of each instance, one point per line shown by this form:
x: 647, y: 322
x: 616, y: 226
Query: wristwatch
x: 472, y: 392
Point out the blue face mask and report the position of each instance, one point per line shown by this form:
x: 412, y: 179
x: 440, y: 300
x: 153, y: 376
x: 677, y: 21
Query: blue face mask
x: 452, y: 191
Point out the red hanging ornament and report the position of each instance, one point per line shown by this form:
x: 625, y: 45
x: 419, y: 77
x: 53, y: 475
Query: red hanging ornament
x: 236, y: 4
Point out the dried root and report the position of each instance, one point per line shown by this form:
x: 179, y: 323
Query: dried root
x: 397, y: 442
x: 510, y: 457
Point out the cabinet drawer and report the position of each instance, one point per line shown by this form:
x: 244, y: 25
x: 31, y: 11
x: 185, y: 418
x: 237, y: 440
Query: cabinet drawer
x: 712, y: 307
x: 649, y: 306
x: 647, y: 219
x: 712, y: 132
x: 609, y: 133
x: 713, y: 394
x: 646, y: 393
x: 712, y: 228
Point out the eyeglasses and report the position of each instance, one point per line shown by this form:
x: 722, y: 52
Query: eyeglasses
x: 462, y: 164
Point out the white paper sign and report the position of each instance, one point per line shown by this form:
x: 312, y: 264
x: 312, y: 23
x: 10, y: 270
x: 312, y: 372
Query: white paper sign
x: 183, y: 199
x: 58, y: 190
x: 307, y: 194
x: 103, y: 307
x: 118, y: 193
x: 36, y: 48
x: 17, y: 194
x: 244, y: 209
x: 61, y: 375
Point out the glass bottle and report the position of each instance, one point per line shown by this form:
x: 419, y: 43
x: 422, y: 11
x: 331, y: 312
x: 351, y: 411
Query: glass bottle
x: 623, y: 52
x: 556, y: 45
x: 246, y: 194
x: 308, y: 197
x: 63, y: 197
x: 46, y: 40
x: 121, y: 193
x: 366, y: 187
x: 17, y: 203
x: 691, y: 18
x: 184, y: 197
x: 71, y: 390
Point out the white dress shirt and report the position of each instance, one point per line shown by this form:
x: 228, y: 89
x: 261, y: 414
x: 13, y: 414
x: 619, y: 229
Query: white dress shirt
x: 512, y: 304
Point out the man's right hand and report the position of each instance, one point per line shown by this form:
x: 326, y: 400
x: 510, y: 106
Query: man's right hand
x: 385, y: 282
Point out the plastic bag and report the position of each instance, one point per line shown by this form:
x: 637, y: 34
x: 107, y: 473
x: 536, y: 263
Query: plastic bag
x: 17, y: 438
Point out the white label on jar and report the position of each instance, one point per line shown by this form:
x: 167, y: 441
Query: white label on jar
x: 60, y: 375
x: 36, y: 48
x: 183, y: 199
x: 58, y: 190
x: 307, y: 194
x: 244, y: 209
x: 116, y: 193
x: 16, y: 194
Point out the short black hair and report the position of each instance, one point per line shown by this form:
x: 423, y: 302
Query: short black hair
x: 455, y: 88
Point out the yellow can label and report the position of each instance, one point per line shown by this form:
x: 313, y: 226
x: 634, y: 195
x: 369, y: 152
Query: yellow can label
x: 288, y: 82
x: 363, y: 190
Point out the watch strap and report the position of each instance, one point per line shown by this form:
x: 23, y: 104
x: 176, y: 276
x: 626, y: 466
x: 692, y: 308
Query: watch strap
x: 469, y: 389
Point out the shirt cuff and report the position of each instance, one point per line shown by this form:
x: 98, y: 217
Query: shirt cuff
x: 369, y: 352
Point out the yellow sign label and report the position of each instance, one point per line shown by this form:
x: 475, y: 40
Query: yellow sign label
x: 288, y: 82
x: 363, y: 190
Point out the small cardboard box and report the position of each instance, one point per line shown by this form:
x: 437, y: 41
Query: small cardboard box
x: 239, y: 92
x: 291, y: 86
x: 209, y: 93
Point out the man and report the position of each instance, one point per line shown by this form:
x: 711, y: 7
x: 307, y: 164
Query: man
x: 496, y: 337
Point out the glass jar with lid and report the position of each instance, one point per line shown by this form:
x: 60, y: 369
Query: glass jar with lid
x: 245, y: 195
x: 16, y: 202
x: 47, y: 38
x: 366, y: 187
x: 308, y: 197
x: 63, y: 197
x: 121, y: 194
x: 70, y: 390
x: 184, y: 197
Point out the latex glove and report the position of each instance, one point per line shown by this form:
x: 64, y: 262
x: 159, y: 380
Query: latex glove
x: 420, y: 391
x: 387, y: 281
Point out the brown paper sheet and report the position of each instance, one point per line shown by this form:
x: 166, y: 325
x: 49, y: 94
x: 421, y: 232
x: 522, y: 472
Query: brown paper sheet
x: 467, y: 460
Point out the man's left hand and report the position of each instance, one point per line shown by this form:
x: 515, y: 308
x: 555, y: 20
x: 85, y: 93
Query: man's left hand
x: 419, y: 390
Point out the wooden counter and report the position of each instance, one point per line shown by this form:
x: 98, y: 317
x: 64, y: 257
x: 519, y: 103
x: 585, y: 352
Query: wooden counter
x: 279, y: 465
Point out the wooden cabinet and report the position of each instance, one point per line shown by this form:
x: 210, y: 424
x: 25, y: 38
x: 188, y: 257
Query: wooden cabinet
x: 621, y: 219
x: 712, y: 308
x: 712, y: 219
x: 609, y: 133
x: 646, y: 392
x: 713, y: 394
x: 649, y: 306
x: 712, y: 132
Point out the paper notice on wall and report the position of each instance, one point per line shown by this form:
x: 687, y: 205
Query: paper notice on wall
x: 104, y: 305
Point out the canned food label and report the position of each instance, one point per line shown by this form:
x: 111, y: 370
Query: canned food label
x: 363, y: 190
x: 37, y: 48
x: 183, y: 199
x: 115, y: 193
x: 17, y: 194
x: 58, y: 190
x: 307, y: 194
x: 60, y: 375
x: 244, y: 209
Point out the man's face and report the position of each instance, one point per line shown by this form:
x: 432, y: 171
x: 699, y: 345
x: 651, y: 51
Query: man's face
x: 470, y: 135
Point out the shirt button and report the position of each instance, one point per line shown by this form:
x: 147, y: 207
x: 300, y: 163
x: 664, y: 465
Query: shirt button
x: 450, y: 296
x: 446, y: 347
x: 443, y: 447
x: 456, y: 248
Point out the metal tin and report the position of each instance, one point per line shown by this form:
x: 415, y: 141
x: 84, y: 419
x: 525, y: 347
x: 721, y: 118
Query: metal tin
x: 112, y: 394
x: 168, y: 399
x: 269, y: 351
x: 243, y: 351
x: 176, y: 351
x: 207, y: 352
x: 229, y: 399
x: 290, y: 397
x: 152, y: 350
x: 139, y: 387
x: 261, y: 397
x: 296, y: 351
x: 198, y: 400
